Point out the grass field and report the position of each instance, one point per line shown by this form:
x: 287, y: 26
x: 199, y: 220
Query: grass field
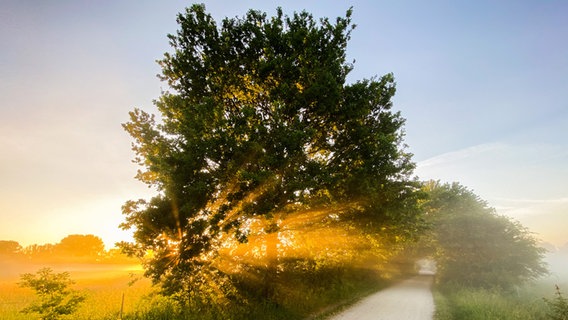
x: 103, y: 286
x: 526, y: 303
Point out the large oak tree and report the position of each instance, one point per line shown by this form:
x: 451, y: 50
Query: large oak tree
x: 257, y: 120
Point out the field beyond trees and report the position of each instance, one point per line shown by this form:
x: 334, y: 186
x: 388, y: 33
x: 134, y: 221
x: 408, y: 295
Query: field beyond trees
x: 103, y: 286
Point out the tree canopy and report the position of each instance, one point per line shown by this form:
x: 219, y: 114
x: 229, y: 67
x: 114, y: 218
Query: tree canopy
x: 9, y: 248
x: 258, y: 120
x: 476, y: 247
x: 79, y: 245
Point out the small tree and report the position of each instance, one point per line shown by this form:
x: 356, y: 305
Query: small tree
x: 55, y: 299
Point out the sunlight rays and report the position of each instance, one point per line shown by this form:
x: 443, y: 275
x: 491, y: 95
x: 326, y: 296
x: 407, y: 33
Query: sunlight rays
x: 312, y: 238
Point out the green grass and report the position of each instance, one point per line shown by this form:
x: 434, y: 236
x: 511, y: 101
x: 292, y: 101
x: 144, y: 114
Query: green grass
x: 525, y: 303
x: 313, y: 295
x: 103, y: 288
x: 294, y: 298
x: 310, y: 295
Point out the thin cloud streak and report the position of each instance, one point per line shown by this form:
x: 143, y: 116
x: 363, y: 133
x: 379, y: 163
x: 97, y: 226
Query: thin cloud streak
x: 534, y: 201
x: 452, y: 157
x: 522, y: 181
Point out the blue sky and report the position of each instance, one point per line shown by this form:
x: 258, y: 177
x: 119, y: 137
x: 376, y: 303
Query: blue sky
x: 483, y: 86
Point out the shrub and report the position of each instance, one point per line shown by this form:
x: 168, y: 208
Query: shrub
x: 558, y: 306
x: 55, y: 299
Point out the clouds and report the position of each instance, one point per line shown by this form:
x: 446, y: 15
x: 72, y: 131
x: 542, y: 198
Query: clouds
x: 526, y: 182
x: 455, y: 157
x: 504, y: 170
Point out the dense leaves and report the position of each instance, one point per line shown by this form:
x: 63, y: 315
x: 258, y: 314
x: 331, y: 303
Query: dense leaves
x: 474, y: 246
x: 258, y: 120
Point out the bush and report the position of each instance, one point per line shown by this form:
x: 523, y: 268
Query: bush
x: 558, y: 306
x: 55, y: 299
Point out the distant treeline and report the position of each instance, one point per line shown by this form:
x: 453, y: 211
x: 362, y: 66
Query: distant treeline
x: 73, y: 248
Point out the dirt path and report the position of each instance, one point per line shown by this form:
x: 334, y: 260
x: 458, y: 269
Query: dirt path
x: 409, y: 300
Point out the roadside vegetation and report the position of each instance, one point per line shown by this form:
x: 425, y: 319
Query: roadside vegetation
x: 539, y: 301
x: 489, y: 266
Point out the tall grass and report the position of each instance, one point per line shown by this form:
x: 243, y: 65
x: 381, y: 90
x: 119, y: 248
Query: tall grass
x: 294, y: 298
x: 304, y: 295
x: 526, y: 303
x: 103, y: 290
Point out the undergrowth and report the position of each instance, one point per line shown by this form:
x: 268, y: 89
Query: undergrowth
x: 309, y: 295
x: 293, y: 299
x: 558, y: 306
x: 527, y: 303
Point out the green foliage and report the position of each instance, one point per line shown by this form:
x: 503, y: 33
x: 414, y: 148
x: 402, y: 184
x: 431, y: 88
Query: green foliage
x: 474, y: 246
x: 55, y: 299
x: 258, y: 121
x: 558, y: 306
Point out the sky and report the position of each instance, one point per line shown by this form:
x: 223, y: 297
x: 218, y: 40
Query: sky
x: 483, y: 86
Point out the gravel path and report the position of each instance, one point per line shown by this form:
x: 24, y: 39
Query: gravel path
x: 408, y: 300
